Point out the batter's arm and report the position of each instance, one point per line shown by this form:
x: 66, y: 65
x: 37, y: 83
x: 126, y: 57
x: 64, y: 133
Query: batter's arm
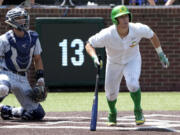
x: 156, y: 43
x: 92, y: 52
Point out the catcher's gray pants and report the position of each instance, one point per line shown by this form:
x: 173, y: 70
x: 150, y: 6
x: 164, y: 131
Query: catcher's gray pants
x: 19, y: 85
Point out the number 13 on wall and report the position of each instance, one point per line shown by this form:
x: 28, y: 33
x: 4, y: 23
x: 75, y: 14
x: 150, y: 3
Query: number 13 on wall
x: 78, y: 52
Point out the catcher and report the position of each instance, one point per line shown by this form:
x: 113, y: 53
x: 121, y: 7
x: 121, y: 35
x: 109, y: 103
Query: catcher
x: 17, y: 48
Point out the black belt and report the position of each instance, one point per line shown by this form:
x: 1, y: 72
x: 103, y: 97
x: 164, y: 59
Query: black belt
x: 15, y: 72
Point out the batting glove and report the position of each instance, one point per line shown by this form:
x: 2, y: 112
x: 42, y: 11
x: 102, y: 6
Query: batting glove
x: 163, y: 59
x: 97, y: 62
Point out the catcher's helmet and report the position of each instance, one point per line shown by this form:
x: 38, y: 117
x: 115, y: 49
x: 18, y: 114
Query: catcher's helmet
x: 120, y: 11
x: 13, y: 14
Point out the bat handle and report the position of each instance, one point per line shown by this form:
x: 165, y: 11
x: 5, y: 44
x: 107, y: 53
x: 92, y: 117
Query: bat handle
x: 98, y: 68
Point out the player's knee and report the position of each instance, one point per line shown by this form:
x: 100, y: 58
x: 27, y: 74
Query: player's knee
x: 4, y: 86
x: 4, y: 90
x: 133, y: 86
x: 111, y: 96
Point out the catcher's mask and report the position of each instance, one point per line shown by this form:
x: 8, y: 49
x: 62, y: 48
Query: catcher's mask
x: 18, y: 18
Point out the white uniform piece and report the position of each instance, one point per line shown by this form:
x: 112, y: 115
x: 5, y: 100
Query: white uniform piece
x: 123, y: 56
x: 19, y: 84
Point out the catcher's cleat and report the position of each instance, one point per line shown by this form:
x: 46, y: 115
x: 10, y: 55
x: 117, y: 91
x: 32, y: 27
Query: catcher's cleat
x: 6, y: 112
x: 112, y: 119
x: 139, y: 117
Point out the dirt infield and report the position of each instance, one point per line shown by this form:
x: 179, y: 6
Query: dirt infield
x: 77, y: 123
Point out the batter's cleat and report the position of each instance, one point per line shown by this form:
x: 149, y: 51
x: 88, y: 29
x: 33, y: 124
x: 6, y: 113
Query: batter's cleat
x: 6, y: 112
x: 112, y: 119
x: 139, y: 117
x: 111, y: 124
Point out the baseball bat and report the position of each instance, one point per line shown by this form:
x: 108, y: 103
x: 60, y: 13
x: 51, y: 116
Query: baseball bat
x: 94, y: 112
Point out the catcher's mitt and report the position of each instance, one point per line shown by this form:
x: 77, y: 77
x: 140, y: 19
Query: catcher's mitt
x: 38, y: 93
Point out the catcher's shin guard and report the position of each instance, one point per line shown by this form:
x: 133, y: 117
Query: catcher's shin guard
x: 37, y: 114
x: 27, y: 115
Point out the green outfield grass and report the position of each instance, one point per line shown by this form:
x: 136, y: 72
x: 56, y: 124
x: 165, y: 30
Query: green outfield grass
x: 82, y: 101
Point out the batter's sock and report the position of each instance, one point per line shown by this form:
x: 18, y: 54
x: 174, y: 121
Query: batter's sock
x: 136, y: 97
x: 112, y: 106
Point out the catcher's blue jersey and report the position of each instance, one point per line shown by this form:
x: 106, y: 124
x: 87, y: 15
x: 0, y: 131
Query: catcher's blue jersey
x: 19, y: 55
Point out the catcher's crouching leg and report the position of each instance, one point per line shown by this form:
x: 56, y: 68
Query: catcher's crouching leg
x: 4, y: 89
x: 36, y: 114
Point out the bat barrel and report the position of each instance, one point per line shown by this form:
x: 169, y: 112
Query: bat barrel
x: 94, y: 113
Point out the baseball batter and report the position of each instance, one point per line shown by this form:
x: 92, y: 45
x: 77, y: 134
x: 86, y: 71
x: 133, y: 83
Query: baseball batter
x: 17, y: 48
x: 121, y: 41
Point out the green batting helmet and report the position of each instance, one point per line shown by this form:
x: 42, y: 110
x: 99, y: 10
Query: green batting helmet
x: 120, y: 11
